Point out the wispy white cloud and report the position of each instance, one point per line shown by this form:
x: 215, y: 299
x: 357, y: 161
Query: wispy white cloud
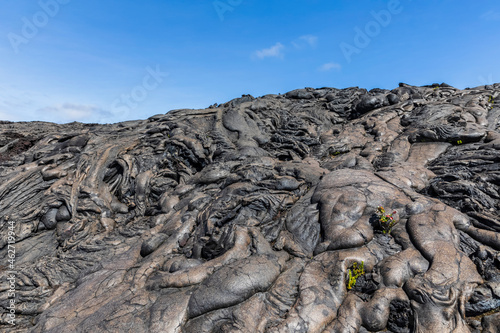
x: 18, y: 104
x: 7, y: 116
x: 74, y: 112
x: 12, y: 97
x: 275, y: 51
x: 330, y: 66
x: 491, y: 16
x: 305, y: 40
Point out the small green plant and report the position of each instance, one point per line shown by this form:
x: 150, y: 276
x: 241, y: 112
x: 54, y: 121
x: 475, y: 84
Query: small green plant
x: 386, y: 221
x: 491, y: 100
x: 459, y: 142
x: 335, y: 153
x: 354, y: 272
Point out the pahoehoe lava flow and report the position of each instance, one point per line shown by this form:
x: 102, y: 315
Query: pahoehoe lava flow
x: 249, y: 216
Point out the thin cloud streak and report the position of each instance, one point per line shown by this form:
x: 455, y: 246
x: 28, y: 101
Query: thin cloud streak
x: 275, y: 51
x: 75, y: 112
x: 330, y: 66
x: 305, y: 41
x: 491, y: 16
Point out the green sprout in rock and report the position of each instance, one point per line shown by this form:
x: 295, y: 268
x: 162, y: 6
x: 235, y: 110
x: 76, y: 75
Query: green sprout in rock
x: 354, y: 272
x: 386, y: 221
x: 336, y: 153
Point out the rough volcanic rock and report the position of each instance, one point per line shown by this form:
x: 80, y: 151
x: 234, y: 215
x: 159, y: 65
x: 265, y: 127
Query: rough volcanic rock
x: 250, y: 216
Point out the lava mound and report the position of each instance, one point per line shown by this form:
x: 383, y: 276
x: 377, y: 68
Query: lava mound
x: 320, y: 210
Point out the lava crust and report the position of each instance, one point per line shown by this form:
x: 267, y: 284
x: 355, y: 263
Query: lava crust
x: 249, y: 216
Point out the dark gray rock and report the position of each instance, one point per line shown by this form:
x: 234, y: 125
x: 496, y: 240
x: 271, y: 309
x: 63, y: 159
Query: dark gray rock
x: 371, y: 102
x: 241, y: 280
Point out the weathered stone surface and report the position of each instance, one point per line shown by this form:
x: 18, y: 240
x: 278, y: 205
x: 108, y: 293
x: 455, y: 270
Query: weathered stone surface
x: 248, y: 216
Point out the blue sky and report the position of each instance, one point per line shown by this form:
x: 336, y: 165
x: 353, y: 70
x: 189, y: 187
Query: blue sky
x: 108, y: 61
